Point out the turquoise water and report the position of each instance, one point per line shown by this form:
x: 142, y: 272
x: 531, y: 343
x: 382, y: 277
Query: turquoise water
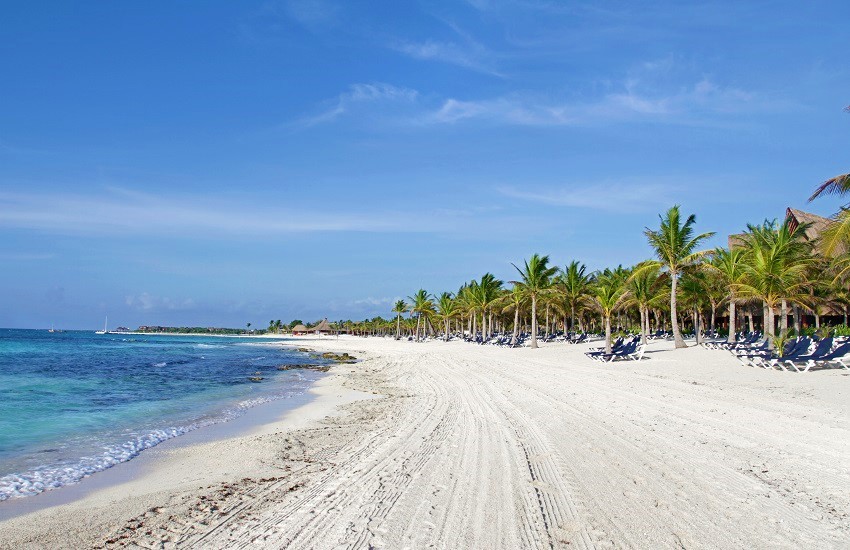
x: 75, y: 403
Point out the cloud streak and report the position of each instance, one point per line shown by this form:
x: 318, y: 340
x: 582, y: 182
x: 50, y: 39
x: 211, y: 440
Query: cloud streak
x: 148, y: 302
x: 119, y: 211
x: 691, y: 105
x: 361, y: 94
x: 607, y: 196
x: 471, y: 56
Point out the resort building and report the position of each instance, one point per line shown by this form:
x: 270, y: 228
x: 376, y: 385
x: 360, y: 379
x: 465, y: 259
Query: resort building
x: 299, y: 329
x: 323, y: 327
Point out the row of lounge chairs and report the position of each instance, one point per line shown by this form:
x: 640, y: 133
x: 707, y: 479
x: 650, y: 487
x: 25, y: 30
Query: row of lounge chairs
x: 799, y: 355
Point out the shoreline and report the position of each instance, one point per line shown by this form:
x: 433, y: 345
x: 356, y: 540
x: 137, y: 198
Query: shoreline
x: 131, y: 478
x: 124, y: 472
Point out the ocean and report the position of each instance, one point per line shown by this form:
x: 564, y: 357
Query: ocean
x: 75, y: 403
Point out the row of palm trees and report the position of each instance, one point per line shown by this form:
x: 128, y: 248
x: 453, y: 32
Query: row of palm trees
x: 770, y: 271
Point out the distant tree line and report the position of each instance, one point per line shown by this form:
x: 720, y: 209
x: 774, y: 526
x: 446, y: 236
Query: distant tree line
x: 196, y: 330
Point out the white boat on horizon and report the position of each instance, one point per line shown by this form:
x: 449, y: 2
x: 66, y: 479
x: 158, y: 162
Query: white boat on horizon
x: 104, y: 331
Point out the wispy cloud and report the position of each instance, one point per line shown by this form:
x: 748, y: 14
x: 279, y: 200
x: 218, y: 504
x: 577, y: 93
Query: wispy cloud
x: 121, y: 212
x: 690, y: 105
x: 360, y: 94
x: 312, y: 12
x: 607, y: 196
x: 149, y: 302
x: 470, y: 55
x: 375, y: 302
x: 463, y: 51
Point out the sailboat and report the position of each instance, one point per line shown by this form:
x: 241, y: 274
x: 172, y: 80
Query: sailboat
x: 104, y: 331
x: 51, y: 328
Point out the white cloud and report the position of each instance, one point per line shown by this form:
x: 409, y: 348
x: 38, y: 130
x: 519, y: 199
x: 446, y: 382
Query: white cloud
x: 470, y: 55
x: 121, y: 212
x: 691, y: 105
x: 619, y: 196
x: 149, y: 302
x: 374, y: 302
x: 359, y: 94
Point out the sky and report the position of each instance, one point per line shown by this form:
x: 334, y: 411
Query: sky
x: 217, y: 163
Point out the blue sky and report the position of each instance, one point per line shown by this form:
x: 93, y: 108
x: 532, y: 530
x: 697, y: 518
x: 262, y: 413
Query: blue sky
x: 216, y: 163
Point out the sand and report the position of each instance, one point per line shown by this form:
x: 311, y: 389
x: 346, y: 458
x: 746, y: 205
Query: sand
x: 480, y: 447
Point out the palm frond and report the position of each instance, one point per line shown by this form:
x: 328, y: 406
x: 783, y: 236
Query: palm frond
x: 839, y: 185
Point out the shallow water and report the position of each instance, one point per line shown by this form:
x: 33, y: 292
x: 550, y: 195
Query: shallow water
x: 75, y: 403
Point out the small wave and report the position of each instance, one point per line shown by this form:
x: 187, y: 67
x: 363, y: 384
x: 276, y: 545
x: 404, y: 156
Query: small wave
x: 208, y: 346
x: 162, y: 364
x: 45, y: 478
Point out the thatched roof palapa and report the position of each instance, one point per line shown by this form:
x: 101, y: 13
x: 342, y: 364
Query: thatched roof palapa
x: 816, y: 226
x: 299, y: 328
x: 323, y: 326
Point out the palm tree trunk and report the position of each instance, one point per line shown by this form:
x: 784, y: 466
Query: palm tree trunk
x: 697, y: 332
x: 817, y: 320
x: 764, y: 319
x: 447, y: 329
x: 607, y: 334
x: 677, y: 335
x: 731, y: 337
x: 644, y: 321
x: 795, y: 310
x: 534, y: 321
x: 783, y: 320
x: 770, y: 326
x: 483, y: 325
x: 398, y: 326
x: 750, y: 319
x: 516, y: 326
x: 418, y: 320
x: 572, y: 317
x: 713, y: 317
x: 845, y: 316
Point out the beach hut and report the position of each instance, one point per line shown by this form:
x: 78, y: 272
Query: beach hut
x: 299, y: 329
x: 323, y: 327
x: 817, y: 225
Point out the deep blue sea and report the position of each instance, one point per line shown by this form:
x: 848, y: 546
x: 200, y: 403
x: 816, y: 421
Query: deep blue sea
x: 74, y: 403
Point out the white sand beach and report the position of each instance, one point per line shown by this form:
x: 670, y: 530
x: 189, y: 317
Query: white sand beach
x: 481, y: 447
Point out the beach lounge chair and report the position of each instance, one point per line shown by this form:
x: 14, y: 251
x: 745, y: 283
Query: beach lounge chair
x: 800, y: 354
x: 624, y: 352
x: 758, y: 356
x: 832, y: 355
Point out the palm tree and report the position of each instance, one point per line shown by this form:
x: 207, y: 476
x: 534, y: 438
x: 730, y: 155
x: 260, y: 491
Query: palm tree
x: 515, y: 301
x: 777, y: 261
x: 694, y: 289
x: 729, y: 265
x: 421, y: 305
x: 536, y: 280
x: 486, y: 292
x: 400, y: 308
x: 643, y: 289
x: 675, y: 246
x: 247, y: 327
x: 575, y: 288
x: 608, y: 290
x: 446, y: 310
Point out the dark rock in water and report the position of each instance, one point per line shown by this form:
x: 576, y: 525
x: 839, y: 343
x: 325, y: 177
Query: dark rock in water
x: 255, y: 378
x: 304, y: 350
x: 319, y: 368
x: 338, y: 357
